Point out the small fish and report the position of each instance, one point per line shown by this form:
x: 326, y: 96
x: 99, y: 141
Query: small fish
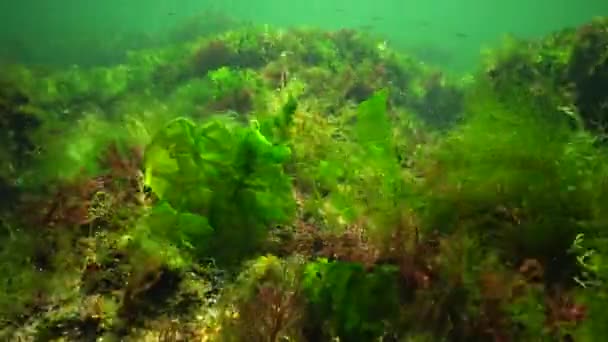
x: 376, y: 18
x: 171, y: 13
x: 461, y: 35
x: 366, y: 27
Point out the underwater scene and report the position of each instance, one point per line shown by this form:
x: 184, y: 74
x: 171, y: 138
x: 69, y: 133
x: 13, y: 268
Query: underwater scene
x: 310, y: 171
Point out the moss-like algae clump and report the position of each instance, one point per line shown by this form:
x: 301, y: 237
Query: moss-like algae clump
x: 267, y: 185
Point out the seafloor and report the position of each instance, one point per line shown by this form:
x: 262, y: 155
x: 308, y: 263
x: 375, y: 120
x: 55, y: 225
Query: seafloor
x: 257, y: 184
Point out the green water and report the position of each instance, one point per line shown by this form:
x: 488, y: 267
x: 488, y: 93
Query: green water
x: 447, y: 32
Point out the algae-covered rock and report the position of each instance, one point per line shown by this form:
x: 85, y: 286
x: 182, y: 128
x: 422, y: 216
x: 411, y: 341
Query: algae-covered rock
x: 445, y: 207
x: 568, y: 69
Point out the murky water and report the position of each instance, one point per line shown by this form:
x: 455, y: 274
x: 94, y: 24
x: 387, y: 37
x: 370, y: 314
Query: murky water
x: 450, y: 33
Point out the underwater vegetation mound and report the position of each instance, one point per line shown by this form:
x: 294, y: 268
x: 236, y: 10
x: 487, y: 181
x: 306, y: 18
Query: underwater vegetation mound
x: 569, y: 67
x: 261, y: 184
x: 16, y: 124
x: 225, y: 69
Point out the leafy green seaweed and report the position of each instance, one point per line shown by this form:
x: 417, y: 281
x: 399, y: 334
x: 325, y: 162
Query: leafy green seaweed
x: 222, y: 176
x: 358, y: 303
